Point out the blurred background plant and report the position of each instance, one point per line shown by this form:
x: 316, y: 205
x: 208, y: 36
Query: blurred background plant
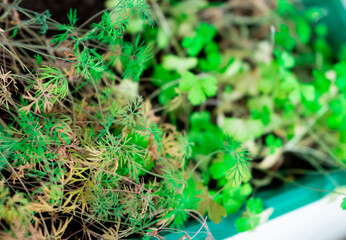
x: 266, y: 73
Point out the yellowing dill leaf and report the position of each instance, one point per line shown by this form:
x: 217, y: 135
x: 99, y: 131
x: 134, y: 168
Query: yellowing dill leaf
x: 215, y: 210
x: 238, y: 170
x: 236, y: 160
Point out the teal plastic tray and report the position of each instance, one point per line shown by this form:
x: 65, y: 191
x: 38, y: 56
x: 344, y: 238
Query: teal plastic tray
x: 335, y: 18
x: 287, y: 198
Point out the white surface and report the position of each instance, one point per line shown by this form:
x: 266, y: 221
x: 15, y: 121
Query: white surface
x: 321, y: 220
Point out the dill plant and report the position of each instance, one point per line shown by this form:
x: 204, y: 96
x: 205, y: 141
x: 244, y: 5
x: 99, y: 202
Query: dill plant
x: 60, y: 150
x: 82, y: 153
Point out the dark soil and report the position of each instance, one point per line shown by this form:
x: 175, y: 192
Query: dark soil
x: 59, y: 8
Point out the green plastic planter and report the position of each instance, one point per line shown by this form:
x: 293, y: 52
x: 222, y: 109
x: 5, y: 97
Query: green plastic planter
x: 335, y: 18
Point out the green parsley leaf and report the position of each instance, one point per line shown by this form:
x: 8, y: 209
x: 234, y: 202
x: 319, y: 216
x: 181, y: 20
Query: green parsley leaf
x: 198, y: 89
x: 303, y: 30
x: 203, y: 35
x: 273, y: 143
x: 188, y: 80
x: 251, y: 217
x: 196, y: 95
x: 209, y: 85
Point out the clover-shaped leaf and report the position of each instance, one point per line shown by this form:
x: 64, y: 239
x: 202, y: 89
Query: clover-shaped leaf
x: 273, y: 143
x: 198, y: 89
x: 204, y: 34
x: 213, y: 58
x: 285, y: 59
x: 251, y: 217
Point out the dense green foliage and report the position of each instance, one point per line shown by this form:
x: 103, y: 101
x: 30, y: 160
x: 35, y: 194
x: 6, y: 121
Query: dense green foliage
x: 124, y: 128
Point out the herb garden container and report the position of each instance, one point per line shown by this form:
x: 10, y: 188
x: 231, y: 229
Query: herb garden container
x: 167, y: 119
